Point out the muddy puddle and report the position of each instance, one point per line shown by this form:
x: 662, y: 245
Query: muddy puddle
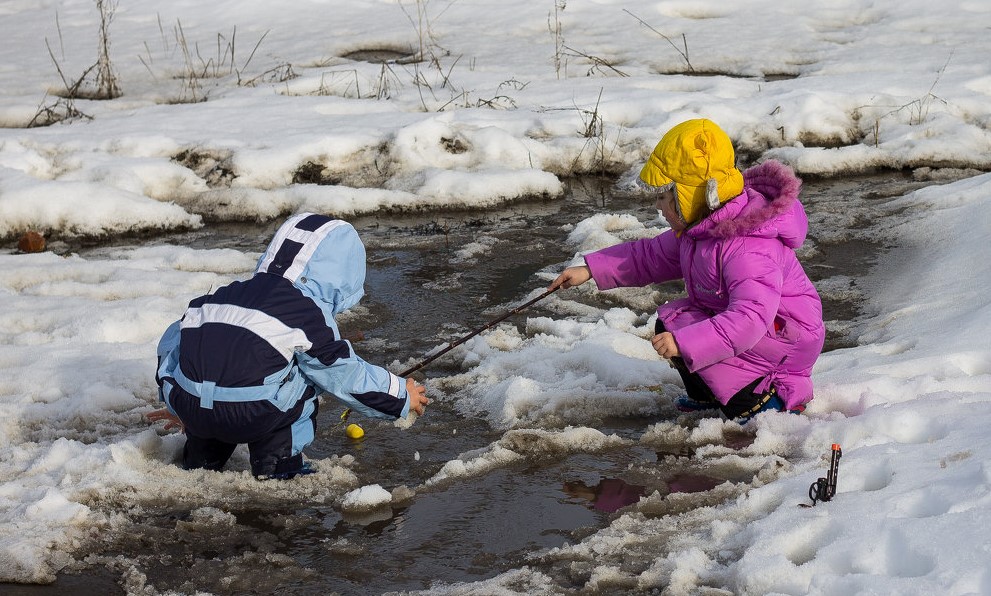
x: 431, y: 278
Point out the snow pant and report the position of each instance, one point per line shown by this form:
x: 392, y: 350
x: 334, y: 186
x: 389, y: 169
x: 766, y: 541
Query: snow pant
x: 275, y: 438
x: 745, y: 402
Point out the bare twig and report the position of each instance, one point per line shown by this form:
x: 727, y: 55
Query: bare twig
x: 594, y: 133
x: 276, y: 74
x: 423, y: 24
x: 329, y: 81
x: 593, y: 126
x: 420, y: 82
x: 446, y: 78
x: 190, y: 79
x: 58, y: 68
x: 147, y: 67
x: 463, y: 96
x: 71, y: 90
x: 106, y: 79
x: 250, y: 56
x: 387, y: 77
x: 161, y: 32
x: 558, y: 33
x: 596, y: 62
x: 497, y: 102
x: 684, y: 40
x: 918, y: 108
x: 230, y: 48
x: 61, y: 42
x: 514, y: 84
x: 61, y: 110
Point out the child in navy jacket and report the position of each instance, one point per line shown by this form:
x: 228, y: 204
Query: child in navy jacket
x: 247, y: 363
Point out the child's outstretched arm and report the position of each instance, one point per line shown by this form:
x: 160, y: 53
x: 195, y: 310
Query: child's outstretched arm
x: 571, y: 277
x: 367, y: 388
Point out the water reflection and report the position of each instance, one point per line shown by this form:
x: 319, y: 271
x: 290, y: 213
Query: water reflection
x: 609, y: 495
x: 692, y: 483
x: 374, y: 521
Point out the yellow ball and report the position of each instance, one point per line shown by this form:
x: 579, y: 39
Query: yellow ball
x: 354, y: 431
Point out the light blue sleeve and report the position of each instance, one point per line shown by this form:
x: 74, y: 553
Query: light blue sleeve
x: 168, y: 360
x: 366, y: 388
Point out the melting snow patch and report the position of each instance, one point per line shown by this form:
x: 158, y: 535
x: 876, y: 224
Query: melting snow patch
x: 365, y: 498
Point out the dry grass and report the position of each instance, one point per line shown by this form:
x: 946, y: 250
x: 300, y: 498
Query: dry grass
x: 104, y: 84
x: 61, y: 110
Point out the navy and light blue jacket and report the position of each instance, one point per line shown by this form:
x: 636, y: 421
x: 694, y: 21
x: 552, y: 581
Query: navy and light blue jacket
x: 274, y: 337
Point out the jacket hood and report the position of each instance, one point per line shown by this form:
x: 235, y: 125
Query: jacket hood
x: 323, y: 257
x: 767, y: 208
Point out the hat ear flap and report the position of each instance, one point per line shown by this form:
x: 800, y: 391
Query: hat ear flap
x: 711, y: 193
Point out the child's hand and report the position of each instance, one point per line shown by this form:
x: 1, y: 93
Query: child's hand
x: 665, y: 345
x: 570, y: 277
x: 171, y: 420
x: 417, y: 397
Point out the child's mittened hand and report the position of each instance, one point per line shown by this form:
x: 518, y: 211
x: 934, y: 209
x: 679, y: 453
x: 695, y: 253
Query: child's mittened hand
x: 665, y: 345
x: 417, y: 396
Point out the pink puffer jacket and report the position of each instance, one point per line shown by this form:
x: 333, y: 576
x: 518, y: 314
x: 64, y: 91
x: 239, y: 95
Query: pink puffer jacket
x: 751, y: 311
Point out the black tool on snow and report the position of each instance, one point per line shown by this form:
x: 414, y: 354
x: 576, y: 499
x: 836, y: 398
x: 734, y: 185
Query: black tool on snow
x: 825, y: 488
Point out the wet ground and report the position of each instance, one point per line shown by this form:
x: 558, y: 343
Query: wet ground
x: 433, y: 277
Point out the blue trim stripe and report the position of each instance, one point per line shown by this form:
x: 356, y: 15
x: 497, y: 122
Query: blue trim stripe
x: 209, y: 392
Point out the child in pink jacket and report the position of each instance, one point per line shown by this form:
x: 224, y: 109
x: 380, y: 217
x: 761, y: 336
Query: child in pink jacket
x: 747, y: 334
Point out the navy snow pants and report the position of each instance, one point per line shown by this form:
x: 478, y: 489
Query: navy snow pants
x: 275, y: 438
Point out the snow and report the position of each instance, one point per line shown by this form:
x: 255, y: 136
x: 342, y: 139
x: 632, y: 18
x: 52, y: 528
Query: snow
x: 517, y: 444
x: 830, y: 88
x: 365, y: 499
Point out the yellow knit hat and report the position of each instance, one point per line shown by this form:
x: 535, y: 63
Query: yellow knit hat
x: 697, y: 156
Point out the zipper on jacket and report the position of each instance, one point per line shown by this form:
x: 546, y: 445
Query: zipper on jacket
x: 719, y: 270
x: 689, y: 287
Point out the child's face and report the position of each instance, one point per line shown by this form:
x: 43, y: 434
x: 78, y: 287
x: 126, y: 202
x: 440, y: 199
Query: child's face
x: 665, y: 204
